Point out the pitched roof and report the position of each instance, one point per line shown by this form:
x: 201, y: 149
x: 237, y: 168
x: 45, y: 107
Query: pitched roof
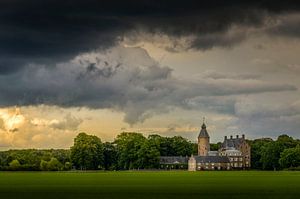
x: 212, y: 159
x: 203, y: 131
x: 232, y: 142
x: 173, y: 160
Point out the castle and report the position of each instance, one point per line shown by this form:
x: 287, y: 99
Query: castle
x: 234, y: 153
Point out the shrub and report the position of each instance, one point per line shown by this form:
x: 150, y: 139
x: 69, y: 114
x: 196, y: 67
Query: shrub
x: 14, y: 165
x: 44, y: 165
x: 54, y: 165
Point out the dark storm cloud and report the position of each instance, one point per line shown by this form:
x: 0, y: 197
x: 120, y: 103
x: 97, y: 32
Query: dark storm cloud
x: 39, y: 38
x: 126, y: 80
x: 47, y: 32
x: 286, y: 26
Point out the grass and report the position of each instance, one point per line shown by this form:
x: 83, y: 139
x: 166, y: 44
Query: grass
x: 173, y: 184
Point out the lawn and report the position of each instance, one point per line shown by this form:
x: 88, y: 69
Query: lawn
x: 174, y: 184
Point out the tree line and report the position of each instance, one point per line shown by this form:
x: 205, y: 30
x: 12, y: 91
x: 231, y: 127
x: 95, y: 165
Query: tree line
x: 282, y: 153
x: 134, y: 151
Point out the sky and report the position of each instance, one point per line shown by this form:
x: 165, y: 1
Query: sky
x: 154, y: 67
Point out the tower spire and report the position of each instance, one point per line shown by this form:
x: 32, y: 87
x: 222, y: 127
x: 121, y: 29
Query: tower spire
x: 203, y: 124
x: 203, y: 140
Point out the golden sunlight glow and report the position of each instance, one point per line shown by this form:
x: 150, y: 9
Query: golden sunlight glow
x: 12, y: 118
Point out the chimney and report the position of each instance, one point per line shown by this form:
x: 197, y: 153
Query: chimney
x: 225, y: 138
x: 231, y: 137
x: 243, y: 136
x: 237, y: 136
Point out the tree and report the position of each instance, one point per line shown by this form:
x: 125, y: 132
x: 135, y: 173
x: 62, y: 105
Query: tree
x: 87, y: 152
x: 110, y: 156
x: 175, y: 146
x: 54, y: 165
x: 148, y: 155
x: 271, y: 154
x: 15, y: 165
x: 215, y: 147
x: 195, y: 148
x: 287, y: 141
x: 256, y: 151
x: 44, y: 165
x: 290, y: 157
x: 181, y: 146
x: 128, y: 146
x: 30, y: 159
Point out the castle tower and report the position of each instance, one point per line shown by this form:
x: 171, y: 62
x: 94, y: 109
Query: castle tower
x: 203, y: 141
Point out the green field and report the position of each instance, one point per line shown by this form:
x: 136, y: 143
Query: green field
x: 180, y: 184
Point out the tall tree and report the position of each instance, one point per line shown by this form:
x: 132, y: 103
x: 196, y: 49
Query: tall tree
x: 256, y: 151
x: 128, y: 146
x: 181, y: 146
x: 87, y: 152
x: 287, y: 141
x: 175, y: 146
x: 271, y: 154
x: 148, y: 154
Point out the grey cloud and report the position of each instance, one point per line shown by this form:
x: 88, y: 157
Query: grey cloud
x: 269, y: 119
x: 295, y: 68
x: 223, y: 39
x: 223, y: 104
x: 218, y: 75
x: 173, y: 127
x: 285, y: 26
x: 68, y: 123
x: 252, y: 109
x: 55, y: 31
x: 269, y: 126
x: 137, y: 85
